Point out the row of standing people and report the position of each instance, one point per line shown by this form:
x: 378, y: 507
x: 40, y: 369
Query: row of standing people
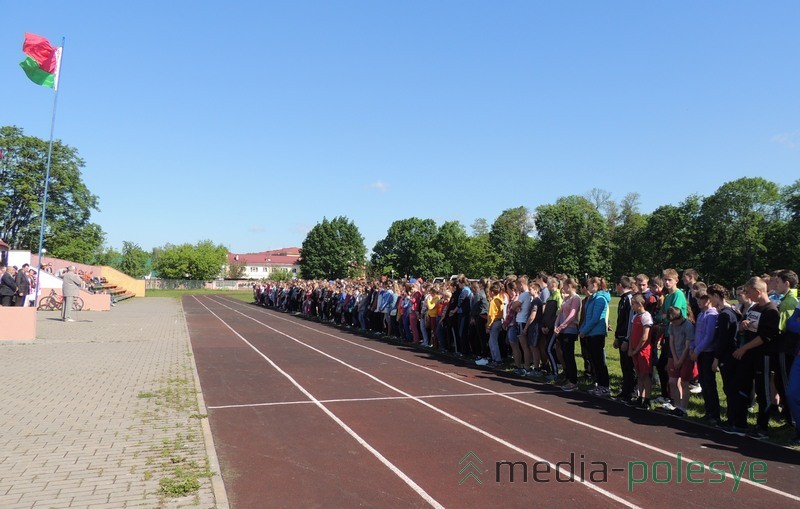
x: 664, y: 335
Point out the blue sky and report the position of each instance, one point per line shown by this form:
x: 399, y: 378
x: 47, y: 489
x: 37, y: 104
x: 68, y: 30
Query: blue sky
x: 247, y: 123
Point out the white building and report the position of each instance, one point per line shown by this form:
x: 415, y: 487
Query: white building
x: 262, y: 265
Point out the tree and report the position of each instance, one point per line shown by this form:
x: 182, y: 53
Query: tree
x: 627, y: 255
x: 510, y: 238
x: 573, y: 236
x: 68, y: 233
x: 134, y: 260
x: 236, y: 270
x: 332, y: 250
x: 480, y: 258
x: 733, y: 224
x: 109, y: 257
x: 407, y: 250
x: 81, y: 245
x: 451, y: 241
x: 202, y: 261
x: 480, y: 227
x: 669, y: 238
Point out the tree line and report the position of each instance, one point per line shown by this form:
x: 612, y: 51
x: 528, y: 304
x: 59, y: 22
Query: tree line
x: 748, y: 226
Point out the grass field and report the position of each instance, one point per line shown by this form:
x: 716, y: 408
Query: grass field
x: 244, y: 295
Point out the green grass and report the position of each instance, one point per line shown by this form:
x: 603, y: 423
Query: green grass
x: 245, y: 295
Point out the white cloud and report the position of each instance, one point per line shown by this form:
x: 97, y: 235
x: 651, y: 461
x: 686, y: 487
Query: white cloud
x: 788, y: 140
x: 380, y: 186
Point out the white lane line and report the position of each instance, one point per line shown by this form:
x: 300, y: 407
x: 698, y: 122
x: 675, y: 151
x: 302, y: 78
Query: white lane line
x: 671, y: 455
x: 450, y: 416
x: 358, y: 400
x: 399, y: 473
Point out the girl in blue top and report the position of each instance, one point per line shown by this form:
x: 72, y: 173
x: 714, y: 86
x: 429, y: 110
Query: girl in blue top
x: 594, y: 329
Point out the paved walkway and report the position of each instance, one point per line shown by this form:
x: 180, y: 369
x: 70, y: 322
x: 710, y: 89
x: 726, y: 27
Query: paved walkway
x: 103, y: 412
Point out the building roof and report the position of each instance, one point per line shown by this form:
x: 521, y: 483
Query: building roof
x: 284, y: 256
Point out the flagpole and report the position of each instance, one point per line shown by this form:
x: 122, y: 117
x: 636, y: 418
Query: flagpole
x: 47, y: 179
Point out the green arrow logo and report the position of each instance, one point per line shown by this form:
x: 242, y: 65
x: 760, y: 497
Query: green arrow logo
x: 469, y: 468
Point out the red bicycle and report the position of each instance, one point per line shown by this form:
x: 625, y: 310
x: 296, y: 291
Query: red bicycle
x: 55, y: 302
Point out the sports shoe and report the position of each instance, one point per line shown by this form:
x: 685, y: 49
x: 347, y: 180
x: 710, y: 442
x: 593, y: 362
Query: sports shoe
x: 678, y: 412
x: 569, y: 387
x: 69, y: 320
x: 644, y: 405
x: 603, y: 392
x: 734, y: 430
x: 634, y: 402
x: 669, y: 407
x: 660, y: 400
x: 495, y: 364
x: 535, y: 373
x: 695, y: 388
x: 481, y: 361
x: 521, y: 371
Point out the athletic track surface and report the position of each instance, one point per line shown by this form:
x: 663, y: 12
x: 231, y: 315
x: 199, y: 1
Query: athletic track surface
x: 308, y: 415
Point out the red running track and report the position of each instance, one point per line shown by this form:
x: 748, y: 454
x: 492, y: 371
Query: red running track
x: 308, y: 415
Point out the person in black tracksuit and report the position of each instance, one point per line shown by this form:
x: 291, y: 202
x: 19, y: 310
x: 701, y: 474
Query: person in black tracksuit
x: 621, y: 339
x: 761, y: 327
x: 725, y: 343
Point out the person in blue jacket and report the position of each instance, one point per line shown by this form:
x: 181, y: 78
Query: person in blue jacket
x: 594, y: 330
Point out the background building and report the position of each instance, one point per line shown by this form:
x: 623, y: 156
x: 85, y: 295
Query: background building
x: 263, y: 265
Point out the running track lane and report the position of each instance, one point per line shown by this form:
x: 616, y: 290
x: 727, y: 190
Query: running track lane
x: 514, y: 423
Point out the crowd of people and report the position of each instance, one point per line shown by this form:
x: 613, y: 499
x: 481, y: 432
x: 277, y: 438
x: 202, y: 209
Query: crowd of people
x: 16, y: 285
x: 676, y: 339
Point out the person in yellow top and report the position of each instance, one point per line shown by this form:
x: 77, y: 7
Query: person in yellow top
x: 494, y: 322
x: 431, y: 305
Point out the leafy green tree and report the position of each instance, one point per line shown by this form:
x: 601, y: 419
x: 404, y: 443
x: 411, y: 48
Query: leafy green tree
x: 627, y: 255
x: 451, y: 241
x: 480, y: 227
x: 134, y: 260
x: 109, y: 257
x: 733, y: 224
x: 480, y: 258
x: 781, y: 239
x: 78, y: 245
x: 280, y: 275
x: 236, y: 270
x: 669, y: 239
x: 332, y: 250
x: 509, y: 236
x: 68, y: 232
x: 407, y: 250
x: 202, y: 261
x: 573, y: 237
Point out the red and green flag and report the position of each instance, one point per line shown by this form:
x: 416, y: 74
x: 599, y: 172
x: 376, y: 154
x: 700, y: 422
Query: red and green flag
x: 43, y: 62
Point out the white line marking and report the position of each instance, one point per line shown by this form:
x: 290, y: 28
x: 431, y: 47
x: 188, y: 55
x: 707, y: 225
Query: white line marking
x: 525, y: 403
x: 358, y: 400
x: 399, y: 473
x: 452, y: 417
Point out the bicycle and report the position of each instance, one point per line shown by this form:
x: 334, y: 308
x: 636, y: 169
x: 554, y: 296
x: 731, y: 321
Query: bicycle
x: 54, y: 302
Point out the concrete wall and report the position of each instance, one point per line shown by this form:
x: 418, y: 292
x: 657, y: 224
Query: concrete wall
x: 17, y: 324
x: 91, y: 301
